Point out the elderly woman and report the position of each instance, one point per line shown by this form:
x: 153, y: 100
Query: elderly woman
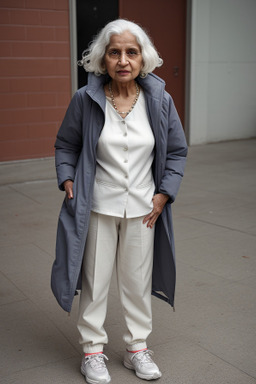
x: 120, y: 156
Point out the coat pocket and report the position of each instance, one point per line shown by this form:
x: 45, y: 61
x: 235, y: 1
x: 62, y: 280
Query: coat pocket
x: 70, y: 204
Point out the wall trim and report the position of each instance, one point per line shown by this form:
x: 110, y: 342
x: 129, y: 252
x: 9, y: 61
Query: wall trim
x: 188, y: 71
x: 73, y: 46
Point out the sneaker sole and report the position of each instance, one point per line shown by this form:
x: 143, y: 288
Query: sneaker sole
x: 90, y: 381
x: 140, y: 375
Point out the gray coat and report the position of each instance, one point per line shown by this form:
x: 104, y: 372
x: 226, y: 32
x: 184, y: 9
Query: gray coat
x: 76, y: 160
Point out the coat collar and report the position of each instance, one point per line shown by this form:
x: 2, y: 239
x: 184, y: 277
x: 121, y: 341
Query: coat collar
x: 152, y: 85
x: 95, y: 88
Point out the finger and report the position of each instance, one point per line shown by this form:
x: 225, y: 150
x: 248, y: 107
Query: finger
x: 153, y: 220
x: 147, y: 218
x: 69, y: 192
x: 150, y: 222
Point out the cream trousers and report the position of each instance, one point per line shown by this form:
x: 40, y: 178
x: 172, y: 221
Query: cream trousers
x: 126, y: 244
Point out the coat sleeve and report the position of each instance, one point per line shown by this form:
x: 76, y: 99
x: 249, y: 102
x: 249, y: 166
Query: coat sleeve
x: 68, y: 144
x: 175, y: 150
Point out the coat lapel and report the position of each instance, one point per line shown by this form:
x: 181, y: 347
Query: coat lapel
x: 154, y: 87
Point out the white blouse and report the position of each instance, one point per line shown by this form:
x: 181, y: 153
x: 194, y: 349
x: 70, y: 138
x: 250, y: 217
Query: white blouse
x: 124, y: 184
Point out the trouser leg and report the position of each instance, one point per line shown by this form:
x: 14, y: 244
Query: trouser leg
x: 99, y: 257
x: 134, y: 275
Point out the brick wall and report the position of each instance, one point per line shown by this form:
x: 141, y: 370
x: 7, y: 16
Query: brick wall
x: 34, y: 76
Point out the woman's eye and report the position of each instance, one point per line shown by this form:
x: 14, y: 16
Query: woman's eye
x: 113, y: 53
x: 132, y: 53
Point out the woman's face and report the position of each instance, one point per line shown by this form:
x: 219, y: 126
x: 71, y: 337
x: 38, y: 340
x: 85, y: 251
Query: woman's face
x: 123, y: 59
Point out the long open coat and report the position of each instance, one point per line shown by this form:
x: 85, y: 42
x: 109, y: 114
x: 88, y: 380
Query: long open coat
x: 76, y: 160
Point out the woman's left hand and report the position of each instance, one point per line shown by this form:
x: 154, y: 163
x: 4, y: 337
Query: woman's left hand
x: 159, y: 201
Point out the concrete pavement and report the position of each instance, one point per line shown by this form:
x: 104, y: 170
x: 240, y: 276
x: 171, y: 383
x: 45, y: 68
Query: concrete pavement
x: 211, y: 338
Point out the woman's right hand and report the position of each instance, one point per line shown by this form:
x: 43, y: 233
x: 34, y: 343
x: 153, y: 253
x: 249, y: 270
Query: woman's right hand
x: 68, y: 186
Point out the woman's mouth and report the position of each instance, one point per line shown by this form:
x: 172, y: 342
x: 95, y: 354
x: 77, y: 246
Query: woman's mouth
x: 123, y: 73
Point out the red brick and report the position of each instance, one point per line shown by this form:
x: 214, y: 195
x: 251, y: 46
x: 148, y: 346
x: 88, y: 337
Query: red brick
x: 29, y: 67
x: 53, y: 114
x: 40, y: 33
x: 42, y: 147
x: 63, y: 66
x: 63, y: 99
x: 26, y: 49
x: 14, y: 132
x: 58, y: 84
x: 47, y: 130
x: 61, y: 4
x: 12, y: 4
x: 5, y: 49
x: 55, y: 18
x: 25, y: 84
x: 12, y: 32
x: 5, y: 85
x: 20, y: 116
x: 9, y: 100
x: 62, y: 34
x: 4, y: 16
x: 41, y: 100
x: 57, y: 127
x: 26, y: 149
x: 25, y: 17
x: 60, y: 49
x: 39, y: 4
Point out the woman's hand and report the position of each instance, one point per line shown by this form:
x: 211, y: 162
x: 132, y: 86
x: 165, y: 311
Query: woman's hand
x: 68, y: 186
x: 159, y: 201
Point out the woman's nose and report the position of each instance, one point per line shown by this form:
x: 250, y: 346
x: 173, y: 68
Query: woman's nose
x: 123, y: 59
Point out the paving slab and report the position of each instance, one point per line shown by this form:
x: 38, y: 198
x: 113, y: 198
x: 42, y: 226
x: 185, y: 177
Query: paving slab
x: 9, y: 292
x: 29, y: 339
x: 183, y: 362
x: 230, y: 254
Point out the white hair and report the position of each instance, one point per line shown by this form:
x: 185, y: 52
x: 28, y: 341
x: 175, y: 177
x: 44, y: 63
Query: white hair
x: 92, y: 57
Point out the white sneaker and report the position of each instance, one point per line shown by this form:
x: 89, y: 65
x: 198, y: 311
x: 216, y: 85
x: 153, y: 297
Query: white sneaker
x: 94, y: 369
x: 142, y: 364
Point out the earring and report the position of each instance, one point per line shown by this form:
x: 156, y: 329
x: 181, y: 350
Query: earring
x: 143, y: 75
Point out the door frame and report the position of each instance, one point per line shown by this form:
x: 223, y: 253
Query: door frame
x: 188, y: 64
x: 73, y: 46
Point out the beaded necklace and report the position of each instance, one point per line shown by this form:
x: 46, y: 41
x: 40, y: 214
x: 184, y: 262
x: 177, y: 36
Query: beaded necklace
x: 113, y: 100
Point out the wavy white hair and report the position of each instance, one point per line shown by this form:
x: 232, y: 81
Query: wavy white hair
x: 92, y: 57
